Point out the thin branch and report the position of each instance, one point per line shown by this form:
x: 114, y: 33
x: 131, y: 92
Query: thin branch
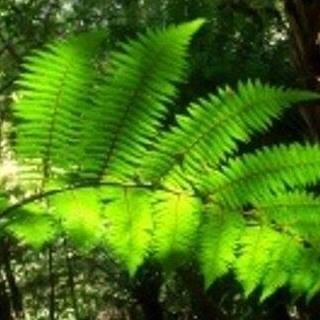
x: 71, y: 283
x: 46, y: 194
x: 15, y: 293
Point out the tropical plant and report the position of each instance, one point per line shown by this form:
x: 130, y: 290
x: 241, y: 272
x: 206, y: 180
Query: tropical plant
x: 97, y: 164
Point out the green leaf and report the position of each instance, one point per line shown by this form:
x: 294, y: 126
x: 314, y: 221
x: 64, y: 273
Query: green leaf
x: 270, y: 170
x: 55, y: 93
x: 129, y: 219
x: 282, y: 263
x: 297, y: 213
x: 219, y: 237
x: 132, y: 100
x: 80, y: 213
x: 33, y: 226
x: 306, y: 277
x: 176, y: 222
x: 216, y: 125
x: 257, y: 245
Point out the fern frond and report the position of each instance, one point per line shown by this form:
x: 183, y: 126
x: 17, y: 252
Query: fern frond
x: 258, y: 175
x: 185, y: 191
x: 176, y: 222
x: 269, y: 260
x: 297, y: 213
x: 80, y: 214
x: 216, y: 125
x: 132, y: 99
x: 55, y: 92
x: 218, y: 237
x: 257, y: 246
x: 306, y: 275
x: 129, y: 225
x: 281, y: 265
x: 33, y: 226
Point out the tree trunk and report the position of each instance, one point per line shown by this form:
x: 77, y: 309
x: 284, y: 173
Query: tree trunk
x: 203, y: 306
x: 10, y: 294
x: 16, y: 296
x: 71, y: 282
x: 304, y: 21
x: 5, y: 310
x: 146, y: 292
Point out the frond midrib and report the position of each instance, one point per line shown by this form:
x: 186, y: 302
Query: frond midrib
x: 218, y: 123
x: 122, y: 122
x: 55, y: 111
x: 266, y: 170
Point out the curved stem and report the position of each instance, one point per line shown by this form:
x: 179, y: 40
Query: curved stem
x: 47, y: 194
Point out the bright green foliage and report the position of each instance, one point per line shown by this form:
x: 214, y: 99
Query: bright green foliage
x: 219, y: 235
x: 306, y: 274
x: 269, y: 259
x: 279, y: 270
x: 273, y: 258
x: 80, y: 214
x: 34, y: 226
x: 176, y: 222
x: 173, y: 195
x: 131, y: 100
x: 259, y: 250
x: 33, y: 230
x: 298, y: 212
x: 129, y: 221
x: 55, y: 93
x: 255, y: 176
x: 215, y: 125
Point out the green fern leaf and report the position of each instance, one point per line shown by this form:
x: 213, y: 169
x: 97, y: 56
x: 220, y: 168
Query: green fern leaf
x: 33, y: 226
x: 216, y: 125
x: 219, y: 236
x: 80, y: 213
x: 176, y: 222
x: 54, y: 94
x: 129, y: 221
x: 297, y: 213
x: 132, y: 99
x: 163, y: 194
x: 256, y: 176
x: 257, y: 245
x: 282, y: 263
x: 306, y: 277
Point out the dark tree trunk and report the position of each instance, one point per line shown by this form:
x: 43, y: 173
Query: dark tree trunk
x: 10, y: 295
x: 147, y: 290
x: 277, y: 306
x: 5, y: 310
x: 71, y: 282
x: 203, y: 305
x: 16, y: 296
x: 311, y: 310
x: 304, y: 20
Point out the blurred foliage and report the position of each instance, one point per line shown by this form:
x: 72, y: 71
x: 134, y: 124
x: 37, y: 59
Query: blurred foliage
x: 242, y: 39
